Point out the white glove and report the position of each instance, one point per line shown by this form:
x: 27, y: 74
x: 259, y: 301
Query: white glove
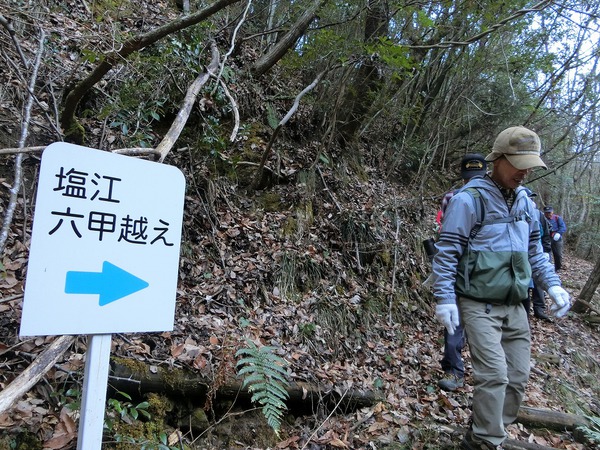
x: 448, y: 316
x: 547, y: 255
x: 561, y: 300
x: 556, y: 236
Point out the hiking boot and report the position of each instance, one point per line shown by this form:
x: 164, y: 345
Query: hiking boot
x: 541, y: 314
x: 469, y: 442
x: 451, y: 382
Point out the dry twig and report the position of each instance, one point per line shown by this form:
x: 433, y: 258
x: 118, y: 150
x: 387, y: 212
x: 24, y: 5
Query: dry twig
x: 16, y: 187
x: 11, y: 31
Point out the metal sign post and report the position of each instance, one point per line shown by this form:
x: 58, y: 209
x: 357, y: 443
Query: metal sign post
x: 95, y: 381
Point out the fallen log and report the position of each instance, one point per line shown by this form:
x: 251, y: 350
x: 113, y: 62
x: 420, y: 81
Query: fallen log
x: 508, y: 444
x: 592, y: 319
x: 558, y: 421
x: 36, y: 370
x: 553, y: 420
x: 581, y: 306
x: 512, y: 444
x: 547, y: 358
x: 135, y: 377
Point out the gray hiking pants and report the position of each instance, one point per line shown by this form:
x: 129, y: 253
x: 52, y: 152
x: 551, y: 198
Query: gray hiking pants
x: 500, y: 346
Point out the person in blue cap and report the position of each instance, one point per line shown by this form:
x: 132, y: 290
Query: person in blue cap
x: 559, y: 228
x: 472, y: 166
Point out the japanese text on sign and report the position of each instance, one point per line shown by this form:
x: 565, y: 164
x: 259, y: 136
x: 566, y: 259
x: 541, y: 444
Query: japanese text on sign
x: 81, y: 185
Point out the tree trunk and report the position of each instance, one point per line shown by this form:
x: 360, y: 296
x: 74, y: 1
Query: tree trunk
x: 265, y: 62
x: 359, y: 96
x: 588, y: 290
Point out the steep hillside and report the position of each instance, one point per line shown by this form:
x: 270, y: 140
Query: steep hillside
x: 332, y: 281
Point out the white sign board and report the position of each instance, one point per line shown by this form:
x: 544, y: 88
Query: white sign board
x: 105, y: 244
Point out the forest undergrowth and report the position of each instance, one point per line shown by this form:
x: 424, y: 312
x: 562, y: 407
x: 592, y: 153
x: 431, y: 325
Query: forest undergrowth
x: 324, y: 264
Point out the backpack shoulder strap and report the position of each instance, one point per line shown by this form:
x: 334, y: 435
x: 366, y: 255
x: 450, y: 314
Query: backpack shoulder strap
x: 479, y: 210
x: 480, y: 214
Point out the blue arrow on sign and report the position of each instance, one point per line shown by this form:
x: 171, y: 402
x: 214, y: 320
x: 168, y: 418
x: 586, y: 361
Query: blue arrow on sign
x: 111, y: 284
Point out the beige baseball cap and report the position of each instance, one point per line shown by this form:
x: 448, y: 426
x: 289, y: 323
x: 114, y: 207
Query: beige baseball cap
x: 520, y: 146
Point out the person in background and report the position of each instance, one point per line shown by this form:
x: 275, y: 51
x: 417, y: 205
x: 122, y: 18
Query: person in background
x: 536, y: 294
x: 485, y: 275
x: 471, y: 166
x: 559, y: 228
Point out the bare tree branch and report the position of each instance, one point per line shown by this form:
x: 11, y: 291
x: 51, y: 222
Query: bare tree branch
x: 230, y: 51
x: 13, y: 150
x: 36, y: 370
x: 133, y: 151
x: 43, y: 108
x: 538, y: 7
x: 282, y: 123
x: 68, y: 120
x: 164, y: 147
x: 236, y: 112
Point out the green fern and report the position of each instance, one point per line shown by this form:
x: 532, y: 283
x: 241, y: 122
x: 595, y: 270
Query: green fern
x: 265, y: 377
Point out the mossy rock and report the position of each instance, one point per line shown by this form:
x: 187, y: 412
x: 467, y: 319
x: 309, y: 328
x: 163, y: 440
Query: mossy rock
x: 385, y: 257
x: 75, y: 134
x: 250, y: 428
x: 159, y: 406
x: 197, y: 421
x: 24, y: 440
x: 290, y: 227
x: 270, y: 201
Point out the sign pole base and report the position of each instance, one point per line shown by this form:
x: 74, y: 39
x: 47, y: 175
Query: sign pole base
x: 95, y: 382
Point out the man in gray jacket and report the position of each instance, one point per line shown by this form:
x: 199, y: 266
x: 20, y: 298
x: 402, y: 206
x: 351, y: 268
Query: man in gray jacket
x: 486, y: 256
